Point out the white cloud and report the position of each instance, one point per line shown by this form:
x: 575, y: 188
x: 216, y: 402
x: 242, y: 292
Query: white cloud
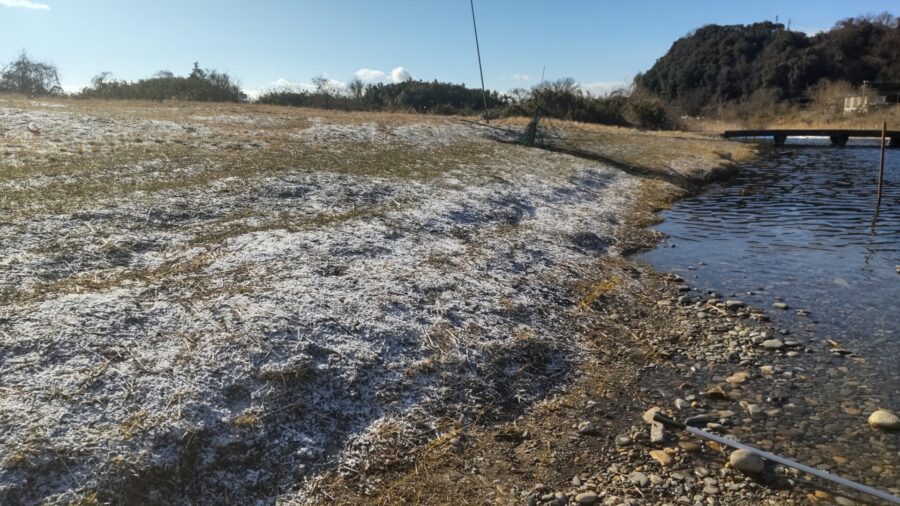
x: 520, y: 77
x: 334, y: 84
x: 25, y: 4
x: 810, y: 31
x: 370, y: 75
x: 604, y: 87
x: 71, y: 88
x: 252, y: 93
x: 400, y: 74
x: 283, y: 84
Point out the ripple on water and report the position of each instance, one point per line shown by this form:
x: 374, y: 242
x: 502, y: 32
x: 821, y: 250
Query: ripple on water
x: 807, y: 213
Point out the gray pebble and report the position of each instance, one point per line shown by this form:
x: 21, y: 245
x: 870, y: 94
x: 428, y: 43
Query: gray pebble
x: 747, y: 461
x: 638, y: 478
x: 587, y: 498
x: 773, y: 344
x: 623, y: 440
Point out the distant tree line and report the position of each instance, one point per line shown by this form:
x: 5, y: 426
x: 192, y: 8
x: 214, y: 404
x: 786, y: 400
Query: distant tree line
x: 204, y: 85
x: 33, y: 78
x: 562, y: 99
x: 766, y: 63
x: 411, y: 95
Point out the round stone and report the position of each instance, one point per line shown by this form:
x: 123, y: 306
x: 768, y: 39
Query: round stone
x: 747, y: 461
x: 734, y: 304
x: 587, y: 498
x: 884, y: 419
x: 662, y: 457
x: 773, y: 344
x: 689, y: 446
x: 638, y: 478
x: 623, y: 440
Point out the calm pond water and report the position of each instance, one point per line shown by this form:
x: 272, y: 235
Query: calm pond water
x: 798, y: 226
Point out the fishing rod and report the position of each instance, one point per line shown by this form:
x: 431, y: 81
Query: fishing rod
x: 775, y: 458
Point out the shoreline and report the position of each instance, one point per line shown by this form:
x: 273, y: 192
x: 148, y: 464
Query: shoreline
x: 587, y: 444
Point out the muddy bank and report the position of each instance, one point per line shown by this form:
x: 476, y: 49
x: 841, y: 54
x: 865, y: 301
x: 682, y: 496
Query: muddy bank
x: 206, y: 303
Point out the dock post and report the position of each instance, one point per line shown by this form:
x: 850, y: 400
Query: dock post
x: 881, y: 167
x: 779, y: 139
x: 839, y: 140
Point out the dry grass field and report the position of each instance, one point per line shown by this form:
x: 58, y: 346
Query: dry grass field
x: 811, y: 117
x: 218, y: 303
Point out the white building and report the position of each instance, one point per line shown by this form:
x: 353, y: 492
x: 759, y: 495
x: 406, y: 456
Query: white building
x: 862, y: 103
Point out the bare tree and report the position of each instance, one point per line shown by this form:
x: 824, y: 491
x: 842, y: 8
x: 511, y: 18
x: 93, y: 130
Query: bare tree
x: 197, y: 72
x: 101, y: 79
x: 30, y: 77
x: 519, y: 95
x: 357, y: 88
x: 321, y: 84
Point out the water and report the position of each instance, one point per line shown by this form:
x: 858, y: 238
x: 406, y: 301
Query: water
x: 799, y: 226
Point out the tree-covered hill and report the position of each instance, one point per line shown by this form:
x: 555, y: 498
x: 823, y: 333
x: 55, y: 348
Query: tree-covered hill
x: 721, y: 64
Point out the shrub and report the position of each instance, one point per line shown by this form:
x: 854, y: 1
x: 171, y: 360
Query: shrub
x: 564, y: 99
x: 828, y: 95
x: 647, y: 112
x: 205, y: 85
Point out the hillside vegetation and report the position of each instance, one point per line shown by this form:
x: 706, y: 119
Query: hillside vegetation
x: 766, y: 63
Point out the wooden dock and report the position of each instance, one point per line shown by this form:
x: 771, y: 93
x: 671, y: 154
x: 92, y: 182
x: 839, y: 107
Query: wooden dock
x: 838, y: 136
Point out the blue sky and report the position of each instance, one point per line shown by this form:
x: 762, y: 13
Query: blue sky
x: 264, y: 43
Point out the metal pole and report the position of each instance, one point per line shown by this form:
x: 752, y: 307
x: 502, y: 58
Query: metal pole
x: 781, y: 460
x: 881, y: 167
x: 796, y: 465
x: 478, y: 50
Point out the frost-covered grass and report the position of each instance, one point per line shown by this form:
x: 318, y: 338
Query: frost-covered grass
x: 215, y: 303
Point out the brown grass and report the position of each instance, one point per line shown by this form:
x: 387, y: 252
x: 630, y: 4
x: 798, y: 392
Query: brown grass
x: 804, y: 118
x: 413, y: 471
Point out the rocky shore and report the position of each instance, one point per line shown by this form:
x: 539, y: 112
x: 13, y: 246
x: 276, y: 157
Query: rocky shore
x: 658, y: 343
x: 733, y: 375
x: 696, y: 356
